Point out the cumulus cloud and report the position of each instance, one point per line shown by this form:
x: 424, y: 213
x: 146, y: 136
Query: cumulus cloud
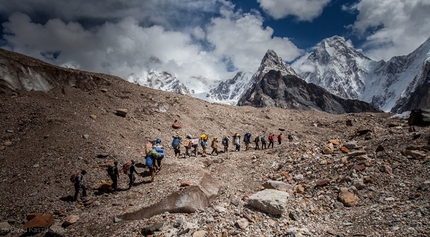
x: 303, y: 10
x: 391, y: 27
x: 128, y: 46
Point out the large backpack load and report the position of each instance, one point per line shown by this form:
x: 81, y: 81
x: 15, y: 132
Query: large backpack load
x: 149, y: 160
x: 175, y: 142
x: 111, y: 170
x: 194, y: 143
x: 263, y: 139
x: 224, y: 141
x: 148, y: 147
x: 204, y: 137
x: 126, y: 167
x: 73, y: 178
x: 247, y: 137
x: 160, y: 151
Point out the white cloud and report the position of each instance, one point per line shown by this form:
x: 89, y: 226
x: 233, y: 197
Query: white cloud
x: 304, y: 10
x: 392, y: 27
x: 126, y: 47
x: 243, y: 40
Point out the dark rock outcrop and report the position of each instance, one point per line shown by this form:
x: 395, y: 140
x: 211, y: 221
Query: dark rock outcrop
x: 291, y: 92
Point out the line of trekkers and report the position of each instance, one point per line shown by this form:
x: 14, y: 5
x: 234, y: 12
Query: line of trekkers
x: 154, y: 154
x: 192, y: 144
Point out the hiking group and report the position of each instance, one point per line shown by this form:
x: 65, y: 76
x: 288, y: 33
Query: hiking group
x: 154, y: 154
x: 192, y: 144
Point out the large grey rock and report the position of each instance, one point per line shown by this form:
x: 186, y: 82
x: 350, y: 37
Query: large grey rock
x: 270, y: 201
x: 188, y: 200
x: 4, y: 228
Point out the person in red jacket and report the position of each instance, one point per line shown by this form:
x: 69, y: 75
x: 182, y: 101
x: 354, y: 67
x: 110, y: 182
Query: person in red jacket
x: 271, y: 140
x: 279, y: 138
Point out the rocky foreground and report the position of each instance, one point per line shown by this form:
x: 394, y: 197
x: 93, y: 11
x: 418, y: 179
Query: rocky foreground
x: 338, y: 175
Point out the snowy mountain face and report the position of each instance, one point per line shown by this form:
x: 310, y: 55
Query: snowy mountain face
x: 160, y: 80
x: 277, y: 85
x: 230, y: 90
x: 336, y: 66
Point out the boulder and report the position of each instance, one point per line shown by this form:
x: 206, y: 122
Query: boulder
x: 70, y: 220
x: 347, y: 198
x: 321, y: 183
x: 242, y: 223
x: 5, y: 228
x: 419, y: 117
x: 279, y: 185
x: 187, y: 200
x: 176, y: 125
x: 121, y: 112
x: 270, y: 201
x: 328, y: 148
x: 39, y: 221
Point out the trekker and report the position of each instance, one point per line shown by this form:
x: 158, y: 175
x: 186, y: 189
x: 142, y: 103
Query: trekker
x: 236, y: 140
x: 214, y: 146
x: 225, y: 142
x: 271, y: 140
x: 113, y: 174
x: 150, y: 162
x: 194, y: 145
x: 130, y: 169
x: 159, y: 149
x: 80, y: 184
x: 247, y: 140
x: 263, y: 142
x: 176, y: 145
x: 203, y: 142
x: 257, y: 140
x: 187, y: 145
x: 279, y: 138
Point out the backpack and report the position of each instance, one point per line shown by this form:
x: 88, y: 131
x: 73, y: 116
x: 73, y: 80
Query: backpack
x: 73, y: 178
x: 126, y: 167
x: 271, y: 138
x: 187, y: 144
x: 247, y: 137
x: 110, y: 170
x: 224, y: 141
x: 203, y: 143
x: 204, y: 137
x: 263, y: 139
x: 149, y: 161
x: 257, y: 139
x: 175, y: 142
x: 148, y: 147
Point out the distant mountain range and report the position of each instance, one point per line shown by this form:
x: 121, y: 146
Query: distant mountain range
x: 276, y: 84
x: 397, y: 85
x: 335, y: 78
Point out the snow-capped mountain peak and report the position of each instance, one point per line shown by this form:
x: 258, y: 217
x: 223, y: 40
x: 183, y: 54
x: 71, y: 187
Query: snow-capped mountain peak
x: 344, y: 71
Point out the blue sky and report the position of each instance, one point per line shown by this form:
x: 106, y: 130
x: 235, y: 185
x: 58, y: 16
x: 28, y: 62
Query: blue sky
x: 206, y: 39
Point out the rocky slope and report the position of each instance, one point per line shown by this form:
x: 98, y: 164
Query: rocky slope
x: 356, y: 174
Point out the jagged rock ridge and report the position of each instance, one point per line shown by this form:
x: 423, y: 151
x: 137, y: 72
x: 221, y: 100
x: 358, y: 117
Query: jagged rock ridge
x: 291, y: 92
x: 278, y: 85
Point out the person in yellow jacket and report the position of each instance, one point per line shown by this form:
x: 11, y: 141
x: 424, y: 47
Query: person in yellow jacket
x: 203, y: 140
x: 214, y: 146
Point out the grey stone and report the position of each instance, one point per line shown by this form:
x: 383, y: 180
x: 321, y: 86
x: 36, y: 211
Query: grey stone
x: 270, y: 201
